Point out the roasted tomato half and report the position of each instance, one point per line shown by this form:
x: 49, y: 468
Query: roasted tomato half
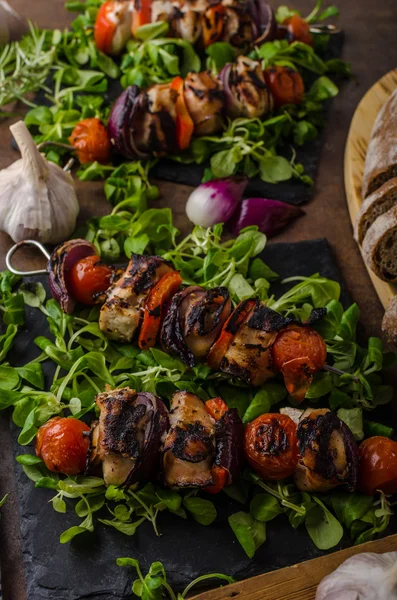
x: 298, y: 30
x: 378, y: 465
x: 271, y: 446
x: 91, y: 140
x: 299, y: 352
x: 63, y: 445
x: 88, y: 279
x: 285, y: 84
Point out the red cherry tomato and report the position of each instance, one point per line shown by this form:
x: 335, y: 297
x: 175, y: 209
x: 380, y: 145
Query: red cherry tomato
x: 62, y: 446
x: 285, y: 84
x: 88, y: 279
x: 299, y: 352
x: 271, y: 446
x: 298, y: 30
x: 91, y: 139
x: 378, y: 465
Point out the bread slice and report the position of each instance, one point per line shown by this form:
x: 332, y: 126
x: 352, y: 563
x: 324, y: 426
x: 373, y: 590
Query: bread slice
x: 389, y: 323
x: 380, y: 246
x: 381, y: 160
x: 374, y: 205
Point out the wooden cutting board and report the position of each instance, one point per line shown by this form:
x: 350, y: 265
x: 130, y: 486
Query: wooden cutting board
x: 355, y: 153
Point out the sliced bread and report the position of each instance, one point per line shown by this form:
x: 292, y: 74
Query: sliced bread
x: 389, y: 323
x: 374, y: 205
x: 381, y: 160
x: 380, y: 246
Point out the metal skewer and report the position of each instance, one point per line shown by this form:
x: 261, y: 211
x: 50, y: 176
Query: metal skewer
x: 339, y: 372
x: 16, y: 247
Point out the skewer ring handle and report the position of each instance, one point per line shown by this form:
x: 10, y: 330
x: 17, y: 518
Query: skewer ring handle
x: 16, y: 247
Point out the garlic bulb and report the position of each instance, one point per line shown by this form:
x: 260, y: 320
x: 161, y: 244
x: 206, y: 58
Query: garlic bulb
x: 37, y: 198
x: 367, y: 576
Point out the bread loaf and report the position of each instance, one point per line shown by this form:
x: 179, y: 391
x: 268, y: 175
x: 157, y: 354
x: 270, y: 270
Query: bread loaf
x: 374, y: 205
x: 389, y: 323
x: 380, y: 246
x: 381, y: 160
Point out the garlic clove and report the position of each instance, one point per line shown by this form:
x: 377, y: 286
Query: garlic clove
x: 366, y: 576
x: 37, y: 198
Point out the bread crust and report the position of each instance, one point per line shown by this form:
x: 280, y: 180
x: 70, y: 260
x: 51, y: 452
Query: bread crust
x: 389, y: 322
x: 382, y: 229
x: 381, y: 159
x: 373, y: 206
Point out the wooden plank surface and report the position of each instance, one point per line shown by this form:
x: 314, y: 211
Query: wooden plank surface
x: 356, y: 150
x: 298, y: 582
x: 370, y: 39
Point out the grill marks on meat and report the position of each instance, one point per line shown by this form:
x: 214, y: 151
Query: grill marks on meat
x: 155, y: 125
x: 249, y: 355
x: 328, y: 453
x: 189, y: 448
x: 204, y: 102
x: 120, y: 315
x: 117, y: 437
x: 248, y: 86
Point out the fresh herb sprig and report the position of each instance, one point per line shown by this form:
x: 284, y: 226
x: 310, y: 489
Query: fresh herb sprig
x: 155, y: 583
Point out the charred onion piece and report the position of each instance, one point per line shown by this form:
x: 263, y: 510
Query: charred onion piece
x: 298, y: 353
x: 121, y: 124
x: 229, y: 434
x: 63, y: 258
x: 245, y: 89
x: 193, y: 322
x: 128, y: 436
x: 266, y: 21
x: 328, y: 454
x: 189, y: 448
x: 204, y: 101
x: 121, y: 314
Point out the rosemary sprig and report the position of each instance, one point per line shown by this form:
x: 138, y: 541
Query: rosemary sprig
x: 25, y: 65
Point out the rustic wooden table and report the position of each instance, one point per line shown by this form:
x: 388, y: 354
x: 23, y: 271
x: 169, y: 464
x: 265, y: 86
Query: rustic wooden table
x: 370, y: 46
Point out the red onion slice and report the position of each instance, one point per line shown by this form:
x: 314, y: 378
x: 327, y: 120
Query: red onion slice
x: 63, y: 258
x: 120, y: 125
x: 271, y: 216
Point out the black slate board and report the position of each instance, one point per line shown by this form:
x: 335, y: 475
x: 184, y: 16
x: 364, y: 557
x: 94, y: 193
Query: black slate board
x: 293, y: 192
x: 85, y: 569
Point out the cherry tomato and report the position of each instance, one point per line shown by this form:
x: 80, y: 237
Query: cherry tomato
x: 378, y: 465
x: 298, y: 30
x: 298, y: 352
x: 105, y: 27
x: 271, y: 446
x: 285, y: 84
x: 91, y: 139
x: 62, y: 446
x: 88, y: 279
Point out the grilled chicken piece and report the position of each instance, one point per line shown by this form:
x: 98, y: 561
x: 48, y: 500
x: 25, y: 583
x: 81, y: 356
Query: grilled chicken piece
x: 189, y: 448
x: 239, y: 29
x: 297, y: 414
x: 248, y: 86
x: 194, y: 321
x: 120, y: 315
x: 186, y: 24
x: 127, y: 438
x: 328, y: 453
x: 204, y: 102
x: 249, y: 355
x: 155, y: 130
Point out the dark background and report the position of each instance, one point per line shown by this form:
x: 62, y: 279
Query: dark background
x: 370, y: 44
